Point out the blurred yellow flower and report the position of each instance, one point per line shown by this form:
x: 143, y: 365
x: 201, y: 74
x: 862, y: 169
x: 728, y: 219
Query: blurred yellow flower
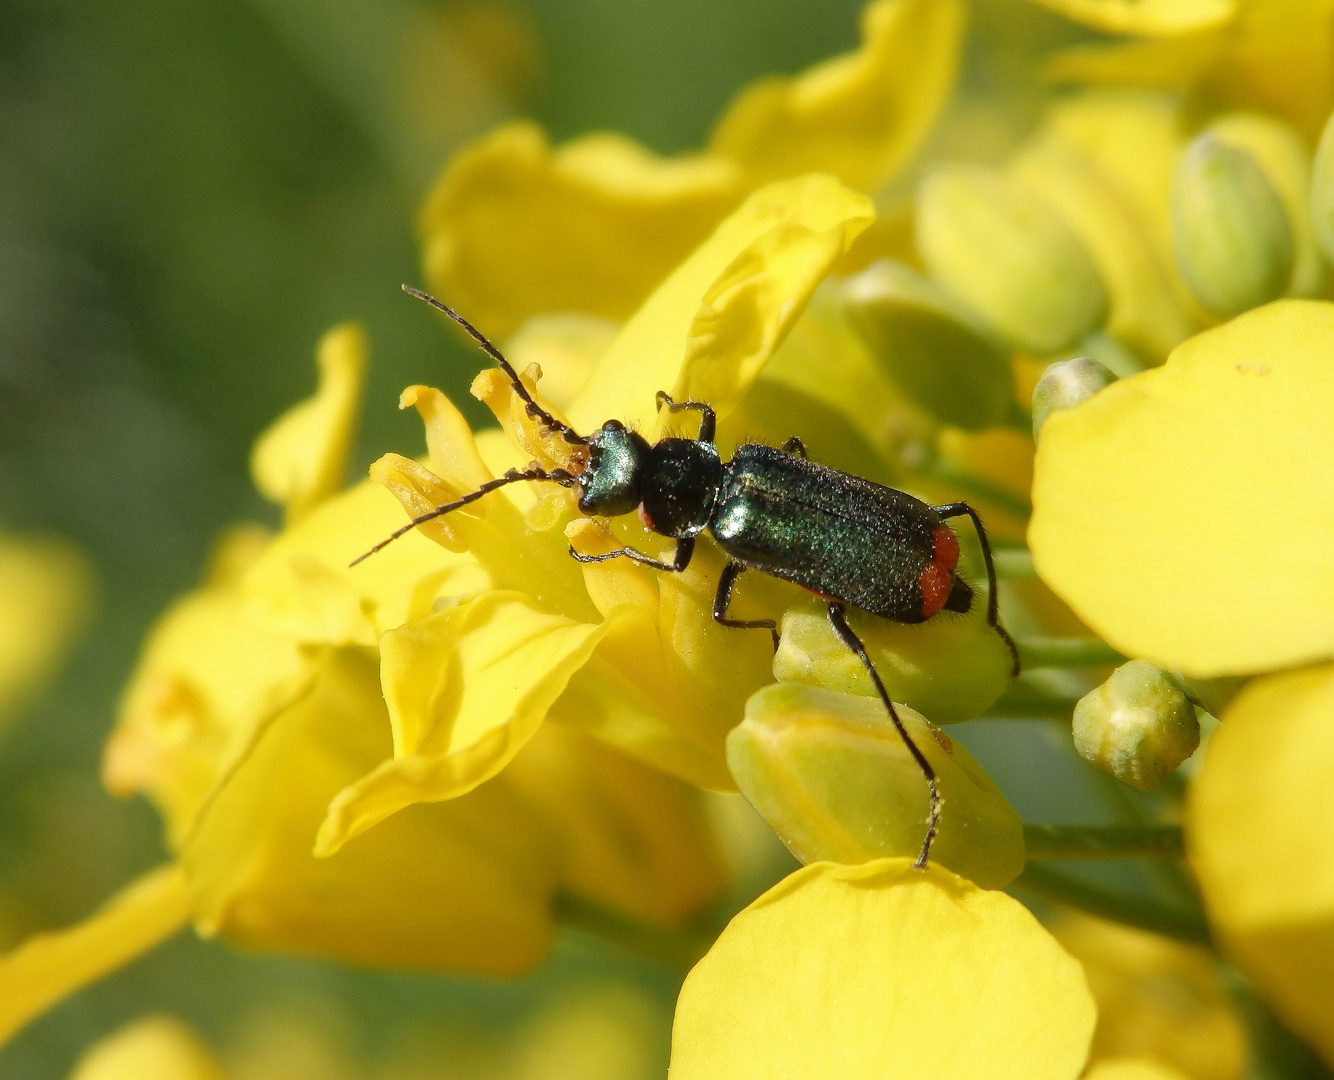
x: 881, y: 970
x: 515, y: 229
x: 152, y: 1048
x: 45, y: 594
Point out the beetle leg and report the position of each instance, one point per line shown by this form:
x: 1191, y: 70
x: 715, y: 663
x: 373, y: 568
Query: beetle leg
x: 959, y: 509
x: 708, y: 422
x: 839, y: 620
x: 722, y: 600
x: 795, y: 446
x: 680, y: 560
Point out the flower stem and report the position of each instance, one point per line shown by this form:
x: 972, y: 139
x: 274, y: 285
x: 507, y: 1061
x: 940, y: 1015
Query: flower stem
x: 1103, y: 841
x: 682, y: 946
x: 1013, y: 563
x: 1062, y: 652
x: 1142, y: 912
x: 1022, y: 700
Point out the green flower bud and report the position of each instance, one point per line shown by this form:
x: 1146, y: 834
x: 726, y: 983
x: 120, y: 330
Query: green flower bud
x: 1281, y: 154
x: 1230, y: 233
x: 1322, y: 191
x: 1065, y: 384
x: 833, y: 777
x: 999, y: 248
x: 951, y: 669
x: 1138, y: 725
x: 932, y: 349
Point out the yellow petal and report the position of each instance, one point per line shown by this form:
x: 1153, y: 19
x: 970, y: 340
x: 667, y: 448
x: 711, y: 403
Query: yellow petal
x: 466, y: 688
x: 152, y: 1048
x: 1133, y: 1068
x: 302, y: 588
x: 635, y: 840
x: 881, y: 970
x: 1149, y: 18
x: 1181, y: 512
x: 203, y: 680
x: 858, y: 116
x: 566, y: 347
x: 302, y: 458
x: 706, y: 332
x: 44, y: 597
x: 1259, y: 841
x: 459, y: 886
x: 515, y: 228
x: 836, y: 781
x: 50, y: 966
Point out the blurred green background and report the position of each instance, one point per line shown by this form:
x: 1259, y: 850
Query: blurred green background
x: 191, y: 192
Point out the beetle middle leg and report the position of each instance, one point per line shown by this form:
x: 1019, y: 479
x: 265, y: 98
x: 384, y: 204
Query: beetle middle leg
x: 680, y: 559
x: 959, y: 509
x: 839, y: 620
x: 708, y: 421
x: 722, y: 600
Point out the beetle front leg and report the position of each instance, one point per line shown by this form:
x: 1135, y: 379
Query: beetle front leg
x: 838, y: 619
x: 959, y: 509
x: 722, y: 600
x: 680, y: 559
x: 708, y: 422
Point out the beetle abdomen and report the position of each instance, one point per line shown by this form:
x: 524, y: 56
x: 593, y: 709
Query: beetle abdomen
x: 835, y: 534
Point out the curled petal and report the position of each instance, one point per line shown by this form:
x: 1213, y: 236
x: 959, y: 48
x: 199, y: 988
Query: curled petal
x: 466, y: 688
x: 858, y: 116
x: 302, y: 458
x: 842, y: 971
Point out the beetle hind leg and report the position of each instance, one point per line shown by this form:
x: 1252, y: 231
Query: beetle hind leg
x: 838, y: 619
x: 960, y: 509
x: 722, y: 600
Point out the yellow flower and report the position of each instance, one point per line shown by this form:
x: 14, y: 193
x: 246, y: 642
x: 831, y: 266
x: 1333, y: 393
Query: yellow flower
x: 152, y: 1048
x: 515, y: 229
x: 44, y: 599
x: 1185, y: 515
x: 1273, y: 55
x: 881, y: 970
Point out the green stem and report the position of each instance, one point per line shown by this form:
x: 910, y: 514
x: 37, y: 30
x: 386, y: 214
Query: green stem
x: 1013, y: 563
x: 1061, y: 652
x: 1021, y: 700
x: 1103, y: 841
x: 1138, y: 911
x: 679, y: 945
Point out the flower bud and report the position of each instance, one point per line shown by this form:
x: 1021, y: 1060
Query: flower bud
x: 951, y: 669
x: 1065, y: 384
x: 1322, y: 191
x: 929, y: 346
x: 1278, y: 149
x: 834, y: 778
x: 1138, y: 725
x: 1230, y: 234
x: 999, y: 248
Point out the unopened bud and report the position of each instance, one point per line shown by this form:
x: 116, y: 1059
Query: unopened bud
x: 1065, y: 384
x: 1322, y: 191
x: 1138, y: 725
x: 1230, y: 233
x: 1278, y: 149
x: 999, y: 248
x: 833, y: 777
x: 950, y: 669
x: 930, y: 346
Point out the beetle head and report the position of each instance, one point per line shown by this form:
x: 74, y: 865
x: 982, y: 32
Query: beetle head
x: 610, y: 485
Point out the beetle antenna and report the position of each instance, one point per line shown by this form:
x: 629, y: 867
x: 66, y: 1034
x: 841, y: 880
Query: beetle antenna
x: 514, y: 476
x: 533, y: 408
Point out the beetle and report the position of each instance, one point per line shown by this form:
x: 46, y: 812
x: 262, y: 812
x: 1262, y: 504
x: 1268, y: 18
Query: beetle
x: 854, y: 542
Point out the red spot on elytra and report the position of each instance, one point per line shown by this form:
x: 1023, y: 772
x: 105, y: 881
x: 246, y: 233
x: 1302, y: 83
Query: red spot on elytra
x: 938, y: 576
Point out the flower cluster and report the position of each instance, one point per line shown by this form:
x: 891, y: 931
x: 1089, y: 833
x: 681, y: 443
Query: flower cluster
x: 422, y: 760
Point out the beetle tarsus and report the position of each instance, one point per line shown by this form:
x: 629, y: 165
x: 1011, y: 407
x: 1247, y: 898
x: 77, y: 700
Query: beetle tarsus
x: 722, y: 600
x: 708, y: 422
x: 838, y: 619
